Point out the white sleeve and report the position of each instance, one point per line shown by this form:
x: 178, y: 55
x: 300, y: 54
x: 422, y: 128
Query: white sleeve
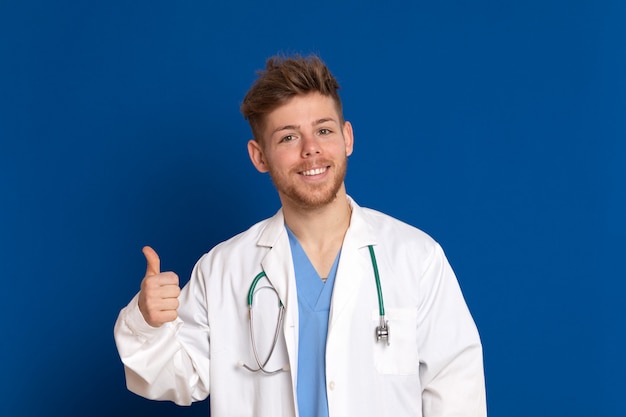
x: 170, y: 362
x: 451, y: 368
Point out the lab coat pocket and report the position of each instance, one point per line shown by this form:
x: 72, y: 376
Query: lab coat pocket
x: 400, y: 356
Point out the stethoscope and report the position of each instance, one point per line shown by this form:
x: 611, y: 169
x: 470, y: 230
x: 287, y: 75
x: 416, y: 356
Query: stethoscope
x: 382, y: 331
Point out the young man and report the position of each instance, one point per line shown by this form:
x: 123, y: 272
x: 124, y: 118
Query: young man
x: 325, y: 309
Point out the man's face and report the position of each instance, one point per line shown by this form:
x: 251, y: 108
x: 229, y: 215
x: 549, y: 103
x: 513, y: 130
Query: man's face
x: 304, y: 148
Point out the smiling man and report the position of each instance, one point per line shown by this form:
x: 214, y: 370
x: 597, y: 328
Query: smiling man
x: 325, y: 309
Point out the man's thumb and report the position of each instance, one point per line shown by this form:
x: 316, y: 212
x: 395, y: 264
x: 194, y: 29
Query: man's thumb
x: 154, y: 263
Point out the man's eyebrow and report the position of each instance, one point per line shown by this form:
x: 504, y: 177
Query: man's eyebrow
x: 324, y: 120
x: 286, y: 127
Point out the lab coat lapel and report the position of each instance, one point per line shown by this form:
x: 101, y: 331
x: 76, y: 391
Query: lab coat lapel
x: 278, y: 267
x: 277, y: 263
x: 354, y: 266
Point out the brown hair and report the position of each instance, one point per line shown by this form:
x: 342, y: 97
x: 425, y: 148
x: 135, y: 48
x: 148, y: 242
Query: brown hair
x: 283, y: 79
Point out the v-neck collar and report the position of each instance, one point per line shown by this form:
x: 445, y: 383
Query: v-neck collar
x: 311, y: 289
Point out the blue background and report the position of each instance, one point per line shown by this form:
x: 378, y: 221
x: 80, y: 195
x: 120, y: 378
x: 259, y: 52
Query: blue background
x: 498, y: 127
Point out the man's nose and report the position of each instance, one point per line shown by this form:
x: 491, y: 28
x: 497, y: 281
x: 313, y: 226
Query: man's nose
x: 310, y: 145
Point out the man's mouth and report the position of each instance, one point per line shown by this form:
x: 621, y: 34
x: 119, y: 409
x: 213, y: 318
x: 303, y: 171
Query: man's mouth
x: 315, y: 171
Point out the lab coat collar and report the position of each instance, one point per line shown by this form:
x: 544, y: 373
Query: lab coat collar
x: 278, y: 264
x: 359, y: 231
x: 354, y: 265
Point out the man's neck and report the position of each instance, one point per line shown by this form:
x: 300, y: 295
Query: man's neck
x: 320, y: 231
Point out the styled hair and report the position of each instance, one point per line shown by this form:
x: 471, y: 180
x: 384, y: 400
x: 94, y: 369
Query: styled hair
x: 283, y: 79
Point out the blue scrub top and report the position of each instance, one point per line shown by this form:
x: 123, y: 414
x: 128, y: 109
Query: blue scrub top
x: 313, y: 307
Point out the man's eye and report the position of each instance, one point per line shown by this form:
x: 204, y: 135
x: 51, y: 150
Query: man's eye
x: 288, y: 138
x: 324, y: 131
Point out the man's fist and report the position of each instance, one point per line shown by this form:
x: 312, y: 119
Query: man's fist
x: 158, y: 298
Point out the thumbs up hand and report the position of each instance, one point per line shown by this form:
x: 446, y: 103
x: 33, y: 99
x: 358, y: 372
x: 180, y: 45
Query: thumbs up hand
x: 158, y: 298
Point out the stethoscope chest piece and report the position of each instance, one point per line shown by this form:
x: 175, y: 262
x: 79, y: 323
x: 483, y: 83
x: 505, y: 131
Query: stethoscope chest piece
x: 382, y: 331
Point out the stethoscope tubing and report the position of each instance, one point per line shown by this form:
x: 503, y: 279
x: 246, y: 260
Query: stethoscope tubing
x: 381, y: 303
x: 382, y: 331
x: 281, y: 314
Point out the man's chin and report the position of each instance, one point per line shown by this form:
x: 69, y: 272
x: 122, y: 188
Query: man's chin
x: 313, y: 200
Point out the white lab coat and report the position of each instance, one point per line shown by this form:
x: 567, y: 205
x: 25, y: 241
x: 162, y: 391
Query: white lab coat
x: 432, y: 367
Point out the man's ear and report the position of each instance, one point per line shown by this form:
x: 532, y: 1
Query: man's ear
x: 256, y: 156
x: 348, y: 137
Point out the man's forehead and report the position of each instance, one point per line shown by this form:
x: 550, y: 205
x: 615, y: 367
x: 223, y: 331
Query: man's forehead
x: 310, y: 109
